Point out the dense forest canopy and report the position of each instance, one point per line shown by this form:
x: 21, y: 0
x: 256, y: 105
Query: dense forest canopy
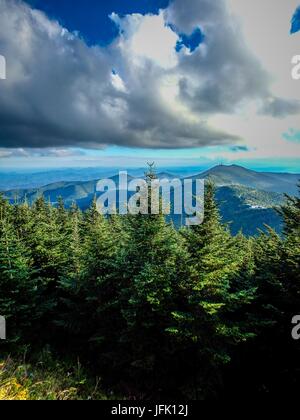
x: 155, y: 311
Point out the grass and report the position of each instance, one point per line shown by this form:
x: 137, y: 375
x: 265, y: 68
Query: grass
x: 47, y: 379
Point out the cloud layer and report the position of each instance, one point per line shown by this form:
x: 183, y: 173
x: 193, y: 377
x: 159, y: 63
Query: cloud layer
x: 140, y: 91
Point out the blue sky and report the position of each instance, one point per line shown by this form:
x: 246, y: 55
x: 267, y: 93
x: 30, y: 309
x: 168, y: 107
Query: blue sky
x: 126, y: 81
x: 91, y: 18
x: 296, y: 21
x: 96, y: 27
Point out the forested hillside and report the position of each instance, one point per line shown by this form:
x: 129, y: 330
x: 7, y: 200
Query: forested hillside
x: 246, y: 198
x: 153, y: 311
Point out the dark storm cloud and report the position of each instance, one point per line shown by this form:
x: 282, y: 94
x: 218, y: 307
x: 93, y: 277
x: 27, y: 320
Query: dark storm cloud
x: 59, y: 91
x: 223, y: 74
x: 280, y: 108
x: 239, y: 149
x: 46, y: 152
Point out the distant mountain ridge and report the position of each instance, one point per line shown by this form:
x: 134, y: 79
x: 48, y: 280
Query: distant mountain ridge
x: 281, y: 183
x: 246, y: 198
x: 223, y: 175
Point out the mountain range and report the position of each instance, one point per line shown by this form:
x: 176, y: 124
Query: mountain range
x: 223, y: 175
x: 247, y: 199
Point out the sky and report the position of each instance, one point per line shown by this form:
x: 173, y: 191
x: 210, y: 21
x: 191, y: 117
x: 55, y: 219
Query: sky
x: 178, y: 82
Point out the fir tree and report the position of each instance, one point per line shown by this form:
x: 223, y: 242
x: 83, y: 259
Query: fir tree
x: 95, y: 319
x: 151, y: 266
x: 207, y: 326
x: 17, y: 287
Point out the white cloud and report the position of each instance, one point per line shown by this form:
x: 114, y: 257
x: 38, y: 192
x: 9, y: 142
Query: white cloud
x: 147, y: 37
x: 38, y: 152
x: 266, y: 26
x: 118, y: 83
x: 139, y: 92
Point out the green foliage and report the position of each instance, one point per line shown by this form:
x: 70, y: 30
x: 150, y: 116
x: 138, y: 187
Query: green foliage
x: 271, y: 362
x: 156, y: 312
x: 211, y: 295
x: 17, y: 283
x: 48, y: 379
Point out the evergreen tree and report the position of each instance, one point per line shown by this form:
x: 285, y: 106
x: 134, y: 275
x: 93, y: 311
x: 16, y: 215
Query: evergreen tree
x: 257, y: 359
x: 49, y: 259
x: 72, y: 235
x: 291, y: 252
x: 276, y: 276
x: 17, y: 287
x: 157, y: 312
x: 151, y: 266
x: 207, y: 326
x: 22, y: 221
x: 95, y: 319
x: 290, y: 274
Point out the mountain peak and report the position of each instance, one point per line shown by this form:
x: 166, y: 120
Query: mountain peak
x: 228, y: 175
x: 229, y: 167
